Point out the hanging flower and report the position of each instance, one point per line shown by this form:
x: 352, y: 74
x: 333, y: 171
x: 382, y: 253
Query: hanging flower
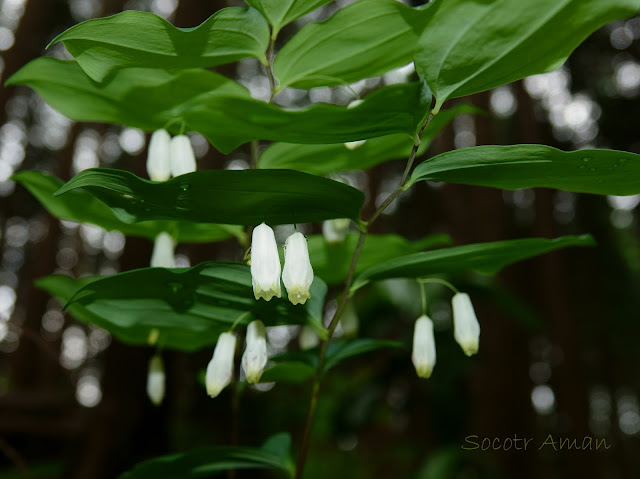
x: 254, y: 358
x: 466, y: 328
x: 183, y: 160
x: 334, y: 231
x: 297, y: 273
x: 156, y: 380
x: 220, y: 368
x: 163, y: 247
x: 158, y: 156
x: 424, y: 347
x: 265, y: 263
x: 308, y: 338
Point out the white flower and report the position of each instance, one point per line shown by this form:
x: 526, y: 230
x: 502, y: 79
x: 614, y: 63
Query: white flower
x: 158, y: 156
x: 424, y: 347
x: 265, y: 263
x: 155, y: 380
x: 466, y: 328
x: 297, y: 273
x: 220, y: 368
x: 183, y: 160
x: 334, y: 231
x: 162, y: 256
x: 308, y: 339
x: 254, y: 358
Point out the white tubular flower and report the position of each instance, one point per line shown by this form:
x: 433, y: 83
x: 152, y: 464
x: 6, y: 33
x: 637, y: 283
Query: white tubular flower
x: 424, y: 347
x: 220, y: 368
x: 265, y: 263
x: 156, y: 380
x: 254, y: 358
x: 307, y: 338
x: 158, y: 156
x: 334, y: 231
x: 297, y: 273
x: 162, y: 256
x: 183, y: 160
x: 466, y: 328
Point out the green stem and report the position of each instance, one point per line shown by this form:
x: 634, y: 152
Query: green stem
x: 269, y: 68
x: 439, y: 281
x: 344, y: 298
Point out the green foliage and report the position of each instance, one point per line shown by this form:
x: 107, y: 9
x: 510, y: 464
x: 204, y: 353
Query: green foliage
x: 203, y: 462
x: 189, y: 307
x: 281, y: 12
x: 364, y: 39
x: 474, y: 45
x: 488, y: 258
x: 141, y: 39
x: 326, y: 159
x: 217, y: 107
x: 606, y: 172
x: 242, y: 197
x: 80, y: 206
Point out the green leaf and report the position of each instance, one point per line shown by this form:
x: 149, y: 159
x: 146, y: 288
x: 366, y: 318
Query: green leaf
x: 242, y: 197
x: 203, y: 462
x: 338, y: 351
x: 188, y: 306
x: 80, y: 206
x: 217, y: 107
x: 606, y: 172
x: 488, y: 258
x: 364, y: 39
x: 289, y: 372
x: 142, y: 39
x: 331, y: 261
x: 326, y: 159
x: 281, y: 12
x: 475, y: 45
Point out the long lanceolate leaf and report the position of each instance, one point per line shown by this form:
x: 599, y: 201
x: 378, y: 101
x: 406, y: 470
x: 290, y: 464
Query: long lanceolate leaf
x: 488, y: 258
x: 241, y: 197
x: 606, y: 172
x: 218, y: 107
x: 474, y: 45
x: 142, y: 39
x: 188, y: 307
x: 78, y: 205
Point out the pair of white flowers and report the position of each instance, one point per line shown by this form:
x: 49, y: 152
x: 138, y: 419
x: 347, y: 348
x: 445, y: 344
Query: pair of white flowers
x: 466, y: 331
x: 168, y: 156
x: 297, y: 274
x: 220, y: 368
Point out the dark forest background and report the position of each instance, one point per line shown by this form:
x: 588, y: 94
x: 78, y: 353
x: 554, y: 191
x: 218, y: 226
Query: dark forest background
x: 559, y: 346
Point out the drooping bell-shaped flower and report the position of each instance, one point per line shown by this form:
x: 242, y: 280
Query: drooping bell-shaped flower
x: 163, y: 248
x: 156, y: 380
x: 466, y: 328
x: 335, y: 230
x: 220, y: 368
x: 159, y: 156
x: 423, y: 355
x: 254, y: 358
x: 297, y: 273
x: 308, y: 338
x: 265, y: 263
x: 183, y: 160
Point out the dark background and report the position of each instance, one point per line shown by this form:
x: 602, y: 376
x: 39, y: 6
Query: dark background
x: 559, y: 346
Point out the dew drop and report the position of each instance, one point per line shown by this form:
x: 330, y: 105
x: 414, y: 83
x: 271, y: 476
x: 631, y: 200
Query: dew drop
x: 185, y: 186
x: 586, y: 159
x: 127, y: 196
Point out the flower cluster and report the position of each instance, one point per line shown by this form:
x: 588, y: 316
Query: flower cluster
x: 466, y: 333
x: 168, y: 156
x: 220, y: 369
x: 297, y: 273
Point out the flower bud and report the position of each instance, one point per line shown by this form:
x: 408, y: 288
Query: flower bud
x: 158, y: 156
x: 162, y: 256
x: 334, y: 231
x: 254, y: 358
x: 220, y: 368
x: 466, y: 328
x: 423, y: 355
x: 156, y: 380
x: 307, y: 338
x: 265, y: 263
x: 297, y: 273
x: 183, y: 160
